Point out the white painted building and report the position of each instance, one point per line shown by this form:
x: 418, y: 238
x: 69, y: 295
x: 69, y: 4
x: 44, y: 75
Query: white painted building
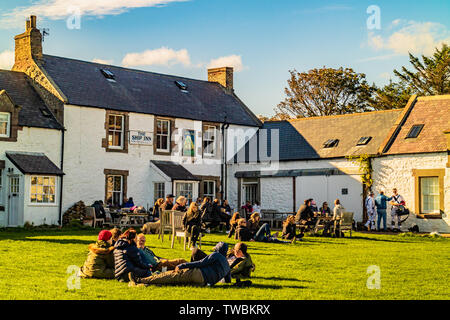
x: 30, y: 153
x: 309, y: 160
x: 127, y: 133
x: 415, y: 159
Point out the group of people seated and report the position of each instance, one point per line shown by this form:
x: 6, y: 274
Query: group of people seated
x: 306, y: 218
x: 125, y: 257
x: 199, y: 216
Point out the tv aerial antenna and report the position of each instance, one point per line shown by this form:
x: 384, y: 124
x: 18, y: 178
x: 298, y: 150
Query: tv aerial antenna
x: 45, y: 33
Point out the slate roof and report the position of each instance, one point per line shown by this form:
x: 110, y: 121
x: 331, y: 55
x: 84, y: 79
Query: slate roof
x: 33, y: 163
x: 174, y: 170
x: 434, y: 113
x: 145, y: 92
x: 303, y: 139
x: 18, y: 87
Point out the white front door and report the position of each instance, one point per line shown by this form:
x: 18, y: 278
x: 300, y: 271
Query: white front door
x: 14, y: 201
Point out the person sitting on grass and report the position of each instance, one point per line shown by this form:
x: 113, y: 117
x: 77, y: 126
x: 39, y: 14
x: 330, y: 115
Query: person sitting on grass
x: 115, y: 233
x: 243, y: 233
x: 264, y: 235
x: 253, y: 223
x: 100, y: 260
x: 290, y: 229
x: 127, y: 257
x: 192, y: 222
x: 207, y: 271
x: 240, y: 262
x: 156, y: 263
x: 233, y: 223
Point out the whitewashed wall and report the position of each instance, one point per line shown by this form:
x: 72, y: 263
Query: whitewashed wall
x: 31, y: 140
x: 396, y: 172
x: 85, y: 159
x: 277, y: 193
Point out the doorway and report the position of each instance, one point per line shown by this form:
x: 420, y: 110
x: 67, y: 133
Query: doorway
x: 14, y: 201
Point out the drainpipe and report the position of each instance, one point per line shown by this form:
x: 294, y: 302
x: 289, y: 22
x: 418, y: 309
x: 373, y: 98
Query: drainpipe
x: 62, y: 177
x: 223, y: 171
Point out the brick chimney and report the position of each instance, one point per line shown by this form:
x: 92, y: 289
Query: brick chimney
x: 28, y: 44
x: 223, y: 75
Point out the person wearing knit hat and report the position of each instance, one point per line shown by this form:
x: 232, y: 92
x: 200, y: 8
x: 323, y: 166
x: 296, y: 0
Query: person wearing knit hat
x: 100, y: 260
x: 104, y: 235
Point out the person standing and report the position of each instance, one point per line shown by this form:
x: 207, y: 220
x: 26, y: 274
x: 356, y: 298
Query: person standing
x: 381, y: 204
x: 397, y: 202
x: 371, y: 212
x: 338, y: 212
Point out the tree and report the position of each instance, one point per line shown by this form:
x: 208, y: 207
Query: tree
x: 325, y: 91
x: 392, y: 96
x: 430, y: 77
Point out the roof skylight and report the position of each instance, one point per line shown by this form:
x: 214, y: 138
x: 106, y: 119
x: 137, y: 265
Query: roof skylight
x: 180, y: 84
x: 363, y: 141
x: 108, y: 75
x: 331, y: 143
x: 415, y: 131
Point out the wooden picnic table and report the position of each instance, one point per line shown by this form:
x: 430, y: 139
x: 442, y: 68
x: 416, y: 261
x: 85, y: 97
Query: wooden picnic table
x: 129, y: 219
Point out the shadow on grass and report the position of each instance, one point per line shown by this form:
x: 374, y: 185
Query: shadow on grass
x: 58, y: 241
x: 281, y: 279
x: 376, y: 239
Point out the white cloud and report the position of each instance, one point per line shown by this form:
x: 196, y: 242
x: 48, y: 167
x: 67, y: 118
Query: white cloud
x: 62, y: 9
x: 163, y: 57
x: 234, y: 61
x: 6, y: 59
x: 102, y: 61
x: 411, y: 36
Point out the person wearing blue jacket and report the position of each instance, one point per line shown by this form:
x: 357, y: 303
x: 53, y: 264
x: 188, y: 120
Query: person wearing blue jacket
x: 381, y: 203
x: 207, y: 271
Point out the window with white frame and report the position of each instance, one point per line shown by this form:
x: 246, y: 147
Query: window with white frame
x: 116, y: 131
x: 209, y: 141
x: 5, y: 119
x: 429, y: 194
x: 163, y: 135
x: 159, y: 189
x: 185, y: 189
x: 114, y: 190
x: 209, y: 189
x: 43, y: 190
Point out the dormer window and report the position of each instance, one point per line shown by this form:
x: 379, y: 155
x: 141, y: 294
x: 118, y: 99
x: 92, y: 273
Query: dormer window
x: 364, y: 141
x: 415, y: 131
x: 5, y: 124
x: 183, y: 87
x: 108, y: 75
x: 331, y: 143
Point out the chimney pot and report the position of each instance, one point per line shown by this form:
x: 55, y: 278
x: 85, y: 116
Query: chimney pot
x: 223, y: 75
x: 33, y: 22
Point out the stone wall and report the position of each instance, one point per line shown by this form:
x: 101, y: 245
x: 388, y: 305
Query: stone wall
x: 397, y: 172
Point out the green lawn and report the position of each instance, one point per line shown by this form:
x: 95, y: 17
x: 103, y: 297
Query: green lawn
x: 33, y: 266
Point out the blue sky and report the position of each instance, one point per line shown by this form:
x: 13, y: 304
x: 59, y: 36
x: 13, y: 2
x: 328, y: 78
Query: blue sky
x: 263, y: 39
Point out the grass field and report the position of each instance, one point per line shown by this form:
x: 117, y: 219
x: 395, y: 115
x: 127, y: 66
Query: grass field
x: 33, y: 265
